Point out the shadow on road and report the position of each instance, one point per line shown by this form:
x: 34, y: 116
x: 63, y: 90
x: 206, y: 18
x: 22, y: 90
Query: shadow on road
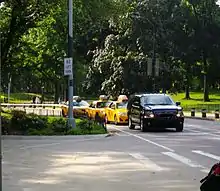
x: 94, y: 171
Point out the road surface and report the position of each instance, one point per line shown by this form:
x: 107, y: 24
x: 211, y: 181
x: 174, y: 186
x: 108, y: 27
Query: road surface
x: 129, y: 160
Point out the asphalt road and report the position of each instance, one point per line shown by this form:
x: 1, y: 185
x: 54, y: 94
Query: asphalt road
x: 156, y: 160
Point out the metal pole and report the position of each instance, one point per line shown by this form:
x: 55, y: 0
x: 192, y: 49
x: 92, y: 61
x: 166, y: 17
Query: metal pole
x: 0, y: 124
x: 71, y: 120
x: 9, y: 87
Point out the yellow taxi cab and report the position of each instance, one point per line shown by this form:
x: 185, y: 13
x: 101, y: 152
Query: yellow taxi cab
x: 79, y: 107
x: 117, y: 111
x: 97, y: 108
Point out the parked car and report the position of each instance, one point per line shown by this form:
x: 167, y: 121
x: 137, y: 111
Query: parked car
x: 154, y: 110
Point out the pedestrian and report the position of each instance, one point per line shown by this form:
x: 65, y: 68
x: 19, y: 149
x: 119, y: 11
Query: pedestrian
x: 34, y: 99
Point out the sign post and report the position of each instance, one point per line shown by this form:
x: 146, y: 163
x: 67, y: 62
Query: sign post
x: 68, y: 64
x: 68, y: 71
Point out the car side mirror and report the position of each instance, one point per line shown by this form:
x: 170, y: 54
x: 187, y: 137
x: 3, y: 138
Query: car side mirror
x: 178, y: 103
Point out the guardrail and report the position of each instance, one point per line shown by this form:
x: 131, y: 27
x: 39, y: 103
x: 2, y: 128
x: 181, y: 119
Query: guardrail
x: 55, y: 110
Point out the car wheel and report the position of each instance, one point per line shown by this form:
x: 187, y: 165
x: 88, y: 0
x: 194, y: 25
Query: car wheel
x: 116, y: 120
x: 142, y: 126
x: 63, y: 114
x: 130, y: 125
x: 97, y: 117
x: 87, y: 115
x: 106, y: 119
x: 179, y: 128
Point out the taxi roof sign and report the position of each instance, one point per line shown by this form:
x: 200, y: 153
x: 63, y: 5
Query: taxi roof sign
x: 103, y: 97
x: 122, y: 98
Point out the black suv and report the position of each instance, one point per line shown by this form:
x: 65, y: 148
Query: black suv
x: 154, y: 110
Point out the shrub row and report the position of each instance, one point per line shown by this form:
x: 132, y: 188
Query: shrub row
x: 20, y: 123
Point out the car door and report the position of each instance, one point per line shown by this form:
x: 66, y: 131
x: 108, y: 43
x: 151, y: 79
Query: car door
x: 112, y: 112
x: 108, y: 112
x: 92, y: 110
x: 136, y: 110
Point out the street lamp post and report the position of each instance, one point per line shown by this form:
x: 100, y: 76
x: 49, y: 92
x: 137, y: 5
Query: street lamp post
x: 71, y: 120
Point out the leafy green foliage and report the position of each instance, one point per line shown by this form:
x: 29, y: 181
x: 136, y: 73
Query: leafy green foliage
x: 113, y: 45
x: 19, y: 123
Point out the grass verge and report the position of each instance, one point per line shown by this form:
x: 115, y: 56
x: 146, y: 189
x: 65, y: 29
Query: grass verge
x: 23, y: 97
x: 196, y: 101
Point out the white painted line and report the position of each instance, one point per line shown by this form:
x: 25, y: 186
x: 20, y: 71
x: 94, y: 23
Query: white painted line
x: 40, y: 145
x: 146, y: 140
x: 207, y: 154
x: 51, y: 144
x: 205, y: 170
x: 205, y: 133
x: 198, y: 132
x: 183, y: 159
x: 200, y: 127
x: 150, y: 165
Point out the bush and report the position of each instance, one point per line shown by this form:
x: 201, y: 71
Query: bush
x: 20, y: 123
x: 6, y: 124
x: 86, y: 126
x: 58, y: 125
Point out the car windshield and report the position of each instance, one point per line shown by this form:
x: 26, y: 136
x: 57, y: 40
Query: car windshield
x: 102, y: 104
x: 78, y: 104
x: 157, y: 100
x: 122, y: 105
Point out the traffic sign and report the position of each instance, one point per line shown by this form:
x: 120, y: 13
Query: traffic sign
x: 68, y: 66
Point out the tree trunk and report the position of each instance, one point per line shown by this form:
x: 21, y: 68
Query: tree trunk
x: 57, y: 92
x: 187, y: 95
x: 206, y: 91
x: 164, y: 83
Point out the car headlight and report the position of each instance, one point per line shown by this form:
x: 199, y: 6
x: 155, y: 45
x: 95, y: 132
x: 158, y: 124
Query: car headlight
x: 180, y: 113
x: 149, y: 114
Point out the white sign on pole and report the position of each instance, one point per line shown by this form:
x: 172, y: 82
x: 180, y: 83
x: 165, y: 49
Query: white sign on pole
x: 68, y: 66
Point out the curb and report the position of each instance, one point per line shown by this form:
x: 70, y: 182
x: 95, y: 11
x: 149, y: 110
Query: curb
x: 66, y: 137
x: 200, y: 118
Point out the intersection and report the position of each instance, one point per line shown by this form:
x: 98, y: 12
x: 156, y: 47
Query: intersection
x: 127, y: 160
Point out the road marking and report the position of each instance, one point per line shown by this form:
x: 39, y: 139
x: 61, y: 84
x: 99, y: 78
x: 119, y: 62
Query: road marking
x: 200, y: 127
x: 22, y: 147
x: 205, y: 170
x: 183, y: 159
x: 146, y: 140
x: 121, y: 135
x: 150, y: 165
x: 41, y: 145
x: 198, y: 132
x: 207, y: 133
x: 207, y: 154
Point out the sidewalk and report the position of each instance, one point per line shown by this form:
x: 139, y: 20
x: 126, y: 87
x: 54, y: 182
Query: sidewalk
x: 198, y: 115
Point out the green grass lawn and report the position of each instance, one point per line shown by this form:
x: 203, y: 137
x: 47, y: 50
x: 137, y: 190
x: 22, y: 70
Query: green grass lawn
x: 22, y: 97
x: 196, y: 101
